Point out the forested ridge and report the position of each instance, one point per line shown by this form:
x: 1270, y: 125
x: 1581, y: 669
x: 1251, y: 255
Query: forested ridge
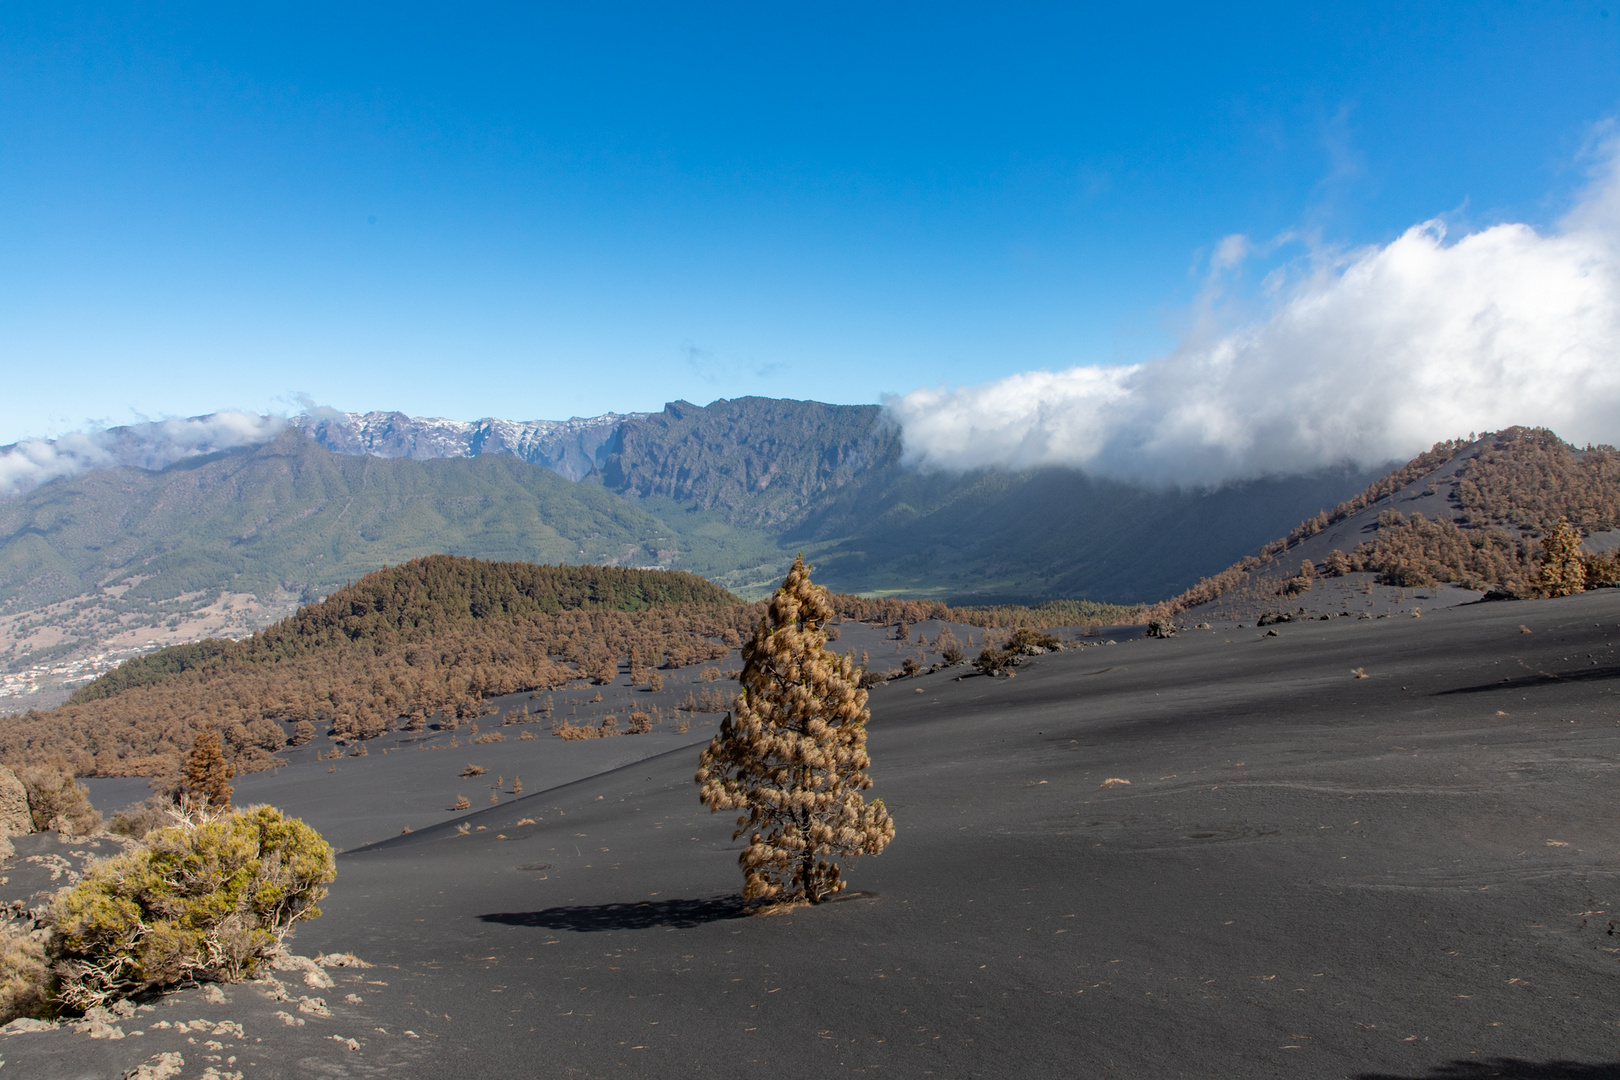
x: 432, y: 638
x: 425, y: 598
x: 1506, y: 492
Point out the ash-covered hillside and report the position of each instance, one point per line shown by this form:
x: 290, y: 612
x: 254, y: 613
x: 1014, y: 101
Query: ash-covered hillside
x: 1470, y: 514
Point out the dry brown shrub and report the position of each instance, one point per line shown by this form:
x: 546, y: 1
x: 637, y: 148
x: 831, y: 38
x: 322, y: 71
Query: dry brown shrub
x: 57, y: 802
x: 23, y: 984
x: 713, y: 701
x: 1563, y: 571
x: 710, y: 674
x: 141, y: 818
x: 473, y: 770
x: 526, y: 735
x: 640, y: 723
x: 490, y: 737
x: 462, y: 803
x: 568, y: 731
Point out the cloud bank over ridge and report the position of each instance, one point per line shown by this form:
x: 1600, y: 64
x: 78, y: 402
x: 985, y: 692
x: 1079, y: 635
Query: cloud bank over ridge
x: 154, y: 445
x: 1369, y: 360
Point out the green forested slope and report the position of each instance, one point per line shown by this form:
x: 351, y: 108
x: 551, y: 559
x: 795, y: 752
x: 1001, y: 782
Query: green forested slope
x: 292, y: 514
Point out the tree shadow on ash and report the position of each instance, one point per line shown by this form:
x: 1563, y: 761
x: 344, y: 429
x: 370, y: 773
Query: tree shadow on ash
x: 1508, y: 1069
x: 589, y: 918
x: 1541, y: 678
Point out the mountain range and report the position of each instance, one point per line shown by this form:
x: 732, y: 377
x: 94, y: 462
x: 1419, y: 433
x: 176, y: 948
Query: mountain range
x: 220, y: 543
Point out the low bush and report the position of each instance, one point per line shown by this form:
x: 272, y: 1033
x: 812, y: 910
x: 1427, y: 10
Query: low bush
x: 143, y: 818
x: 994, y: 661
x: 57, y: 802
x: 24, y: 989
x: 205, y: 900
x: 1027, y: 641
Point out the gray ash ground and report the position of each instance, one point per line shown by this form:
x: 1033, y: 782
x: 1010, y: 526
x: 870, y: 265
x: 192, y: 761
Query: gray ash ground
x: 1409, y: 874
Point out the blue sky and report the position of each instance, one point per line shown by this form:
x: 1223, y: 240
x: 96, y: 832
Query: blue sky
x: 544, y: 213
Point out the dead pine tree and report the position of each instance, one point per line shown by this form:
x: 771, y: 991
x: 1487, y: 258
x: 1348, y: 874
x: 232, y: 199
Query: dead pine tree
x: 207, y: 776
x: 791, y: 755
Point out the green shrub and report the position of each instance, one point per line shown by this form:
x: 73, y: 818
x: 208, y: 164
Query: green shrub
x: 203, y: 901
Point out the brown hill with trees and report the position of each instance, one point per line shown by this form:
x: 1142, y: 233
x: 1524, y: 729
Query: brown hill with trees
x: 1476, y: 512
x: 432, y: 638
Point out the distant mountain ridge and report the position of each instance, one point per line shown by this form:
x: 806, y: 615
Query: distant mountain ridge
x: 729, y: 490
x: 757, y: 460
x: 572, y: 448
x: 218, y: 543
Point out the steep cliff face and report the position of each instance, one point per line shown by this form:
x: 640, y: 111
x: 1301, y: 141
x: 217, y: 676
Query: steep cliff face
x: 571, y: 448
x: 757, y: 461
x: 829, y: 480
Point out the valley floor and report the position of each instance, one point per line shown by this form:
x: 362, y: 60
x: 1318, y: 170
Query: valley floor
x: 1308, y: 874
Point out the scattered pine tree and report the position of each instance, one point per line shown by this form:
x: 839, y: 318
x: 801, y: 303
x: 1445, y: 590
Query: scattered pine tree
x: 207, y: 776
x: 792, y: 754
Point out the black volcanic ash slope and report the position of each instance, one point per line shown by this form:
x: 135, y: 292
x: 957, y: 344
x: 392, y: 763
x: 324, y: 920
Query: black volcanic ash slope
x: 1403, y: 877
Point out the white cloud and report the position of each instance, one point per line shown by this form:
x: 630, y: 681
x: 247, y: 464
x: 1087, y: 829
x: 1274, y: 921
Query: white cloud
x: 1368, y: 360
x: 154, y: 445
